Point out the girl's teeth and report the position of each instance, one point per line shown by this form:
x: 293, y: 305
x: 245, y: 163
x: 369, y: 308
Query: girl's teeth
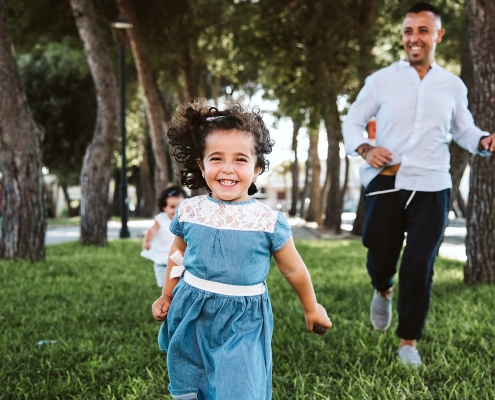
x: 229, y: 183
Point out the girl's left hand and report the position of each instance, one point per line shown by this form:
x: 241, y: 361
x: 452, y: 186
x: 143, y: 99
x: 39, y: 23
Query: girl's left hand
x: 317, y: 316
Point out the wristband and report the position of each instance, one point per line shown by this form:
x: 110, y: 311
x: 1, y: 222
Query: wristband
x: 364, y: 153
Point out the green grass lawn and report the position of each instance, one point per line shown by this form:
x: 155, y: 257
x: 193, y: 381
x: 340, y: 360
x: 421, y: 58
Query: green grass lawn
x: 96, y: 304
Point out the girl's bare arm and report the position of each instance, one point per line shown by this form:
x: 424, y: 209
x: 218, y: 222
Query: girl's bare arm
x: 161, y: 305
x: 292, y: 266
x: 150, y: 235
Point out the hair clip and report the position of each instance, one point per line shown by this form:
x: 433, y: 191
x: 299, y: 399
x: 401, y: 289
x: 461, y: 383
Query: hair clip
x: 172, y: 192
x: 209, y: 119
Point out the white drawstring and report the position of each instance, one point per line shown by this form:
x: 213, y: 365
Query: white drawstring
x: 410, y: 198
x: 391, y: 191
x: 382, y: 191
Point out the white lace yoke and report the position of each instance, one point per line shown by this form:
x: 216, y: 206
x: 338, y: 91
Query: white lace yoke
x: 250, y: 216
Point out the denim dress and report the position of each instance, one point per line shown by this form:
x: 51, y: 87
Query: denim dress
x: 219, y: 346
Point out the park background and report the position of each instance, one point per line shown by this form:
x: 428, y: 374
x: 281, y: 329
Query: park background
x: 74, y: 153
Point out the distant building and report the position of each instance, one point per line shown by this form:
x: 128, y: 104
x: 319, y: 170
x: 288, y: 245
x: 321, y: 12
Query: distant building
x: 275, y: 189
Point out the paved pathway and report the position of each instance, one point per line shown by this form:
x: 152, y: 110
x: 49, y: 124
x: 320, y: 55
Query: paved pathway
x: 452, y: 246
x: 70, y: 233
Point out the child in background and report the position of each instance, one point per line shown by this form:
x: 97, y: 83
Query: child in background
x: 218, y: 321
x: 157, y: 241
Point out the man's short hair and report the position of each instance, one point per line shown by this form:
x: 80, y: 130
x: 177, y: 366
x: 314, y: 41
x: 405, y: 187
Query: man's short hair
x: 423, y: 6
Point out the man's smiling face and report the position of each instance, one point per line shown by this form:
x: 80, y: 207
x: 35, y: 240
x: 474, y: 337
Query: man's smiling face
x: 420, y: 34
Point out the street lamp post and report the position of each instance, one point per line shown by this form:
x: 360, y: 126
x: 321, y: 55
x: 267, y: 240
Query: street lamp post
x: 122, y: 23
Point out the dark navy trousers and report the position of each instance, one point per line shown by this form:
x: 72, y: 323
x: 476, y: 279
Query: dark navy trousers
x: 390, y: 215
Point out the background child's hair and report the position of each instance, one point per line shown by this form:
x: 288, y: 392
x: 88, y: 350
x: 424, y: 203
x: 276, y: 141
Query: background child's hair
x: 172, y: 191
x: 193, y: 123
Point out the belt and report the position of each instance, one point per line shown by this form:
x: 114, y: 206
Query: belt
x: 391, y: 170
x: 210, y: 286
x: 223, y: 288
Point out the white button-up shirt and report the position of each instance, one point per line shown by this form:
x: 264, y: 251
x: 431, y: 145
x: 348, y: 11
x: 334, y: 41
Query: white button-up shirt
x: 414, y: 120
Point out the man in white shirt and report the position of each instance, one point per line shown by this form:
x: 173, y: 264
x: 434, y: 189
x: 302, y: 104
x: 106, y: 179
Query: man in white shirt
x: 418, y: 106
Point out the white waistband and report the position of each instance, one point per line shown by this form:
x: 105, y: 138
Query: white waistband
x: 223, y: 288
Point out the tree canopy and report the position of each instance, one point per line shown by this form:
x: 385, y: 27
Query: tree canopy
x: 61, y: 96
x: 304, y: 55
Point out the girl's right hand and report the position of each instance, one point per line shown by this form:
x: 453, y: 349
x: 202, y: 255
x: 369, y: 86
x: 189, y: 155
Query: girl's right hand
x: 160, y: 307
x: 146, y: 246
x: 317, y: 316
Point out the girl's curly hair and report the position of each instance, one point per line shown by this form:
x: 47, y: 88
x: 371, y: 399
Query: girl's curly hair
x: 192, y: 124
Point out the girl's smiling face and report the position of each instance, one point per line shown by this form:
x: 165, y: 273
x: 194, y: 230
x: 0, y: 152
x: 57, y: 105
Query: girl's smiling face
x: 229, y: 164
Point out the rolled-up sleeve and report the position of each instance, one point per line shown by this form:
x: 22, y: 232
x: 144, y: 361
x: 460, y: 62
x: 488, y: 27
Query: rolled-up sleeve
x: 463, y: 129
x: 362, y: 110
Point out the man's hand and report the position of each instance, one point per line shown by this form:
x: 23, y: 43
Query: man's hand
x: 487, y: 143
x: 378, y: 157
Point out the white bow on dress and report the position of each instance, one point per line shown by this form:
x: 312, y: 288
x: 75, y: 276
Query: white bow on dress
x: 177, y: 270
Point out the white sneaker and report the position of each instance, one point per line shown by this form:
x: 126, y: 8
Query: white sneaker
x: 409, y: 355
x: 381, y: 311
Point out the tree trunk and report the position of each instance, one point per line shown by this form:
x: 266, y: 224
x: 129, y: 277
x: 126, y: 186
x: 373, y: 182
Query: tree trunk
x: 461, y: 205
x: 294, y: 169
x: 155, y: 105
x: 115, y: 209
x: 24, y: 211
x: 459, y: 157
x: 314, y: 189
x: 186, y: 67
x: 67, y: 199
x: 217, y: 81
x: 201, y: 81
x: 324, y: 194
x: 367, y: 17
x: 96, y: 169
x: 333, y: 211
x: 147, y: 203
x: 366, y: 20
x: 480, y: 266
x: 304, y: 193
x: 357, y: 226
x: 343, y: 190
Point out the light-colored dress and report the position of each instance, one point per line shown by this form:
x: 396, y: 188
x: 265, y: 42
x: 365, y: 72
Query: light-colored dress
x: 160, y: 247
x: 219, y: 346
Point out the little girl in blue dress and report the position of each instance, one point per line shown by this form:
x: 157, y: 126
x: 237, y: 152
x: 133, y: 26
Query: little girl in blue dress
x: 218, y: 321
